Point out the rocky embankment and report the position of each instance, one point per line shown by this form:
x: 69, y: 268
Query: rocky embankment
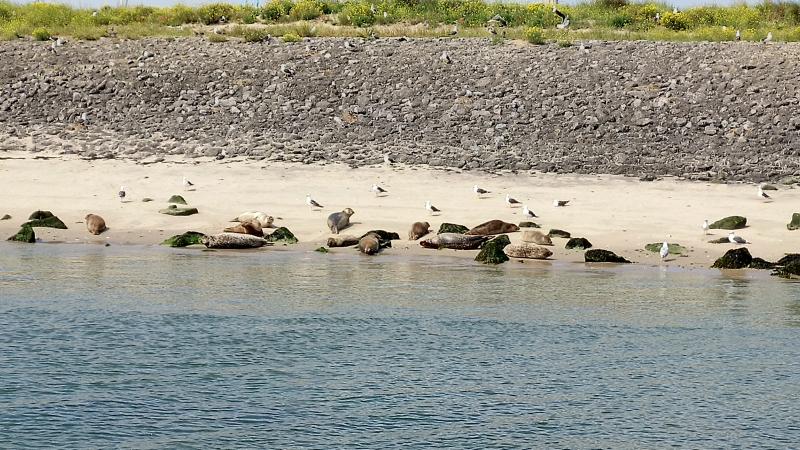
x: 726, y: 111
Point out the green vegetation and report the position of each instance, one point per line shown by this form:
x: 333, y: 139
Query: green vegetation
x: 536, y: 22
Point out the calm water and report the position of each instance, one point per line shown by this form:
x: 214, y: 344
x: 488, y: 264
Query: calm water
x: 145, y: 347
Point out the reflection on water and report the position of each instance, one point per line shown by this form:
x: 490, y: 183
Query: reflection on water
x: 151, y: 347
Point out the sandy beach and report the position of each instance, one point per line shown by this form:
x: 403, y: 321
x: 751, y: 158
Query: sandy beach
x: 614, y: 213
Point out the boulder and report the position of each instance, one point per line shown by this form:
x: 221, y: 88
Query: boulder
x: 282, y: 235
x: 177, y: 199
x: 674, y: 249
x: 789, y: 258
x: 322, y: 250
x: 536, y: 237
x: 45, y: 219
x: 578, y: 243
x: 735, y: 258
x: 39, y: 214
x: 722, y: 240
x: 342, y: 241
x: 599, y: 255
x: 233, y: 241
x: 761, y: 264
x: 730, y: 223
x: 526, y: 251
x: 25, y: 234
x: 5, y: 217
x: 559, y: 233
x: 147, y: 200
x: 529, y: 225
x: 452, y: 228
x: 173, y: 210
x: 183, y: 240
x: 492, y: 251
x: 794, y: 224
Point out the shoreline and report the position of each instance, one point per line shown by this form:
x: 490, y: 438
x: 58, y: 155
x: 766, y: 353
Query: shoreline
x: 613, y: 212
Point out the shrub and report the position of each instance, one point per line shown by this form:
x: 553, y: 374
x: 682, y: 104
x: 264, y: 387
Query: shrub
x: 255, y: 35
x: 701, y: 17
x: 247, y: 14
x: 356, y: 13
x: 535, y: 35
x: 40, y: 34
x: 674, y: 21
x: 46, y: 14
x: 216, y: 38
x: 306, y: 10
x: 87, y: 32
x: 620, y: 20
x: 13, y: 29
x: 291, y: 37
x: 214, y: 12
x: 564, y: 44
x: 6, y: 12
x: 178, y: 15
x: 611, y: 4
x: 275, y: 10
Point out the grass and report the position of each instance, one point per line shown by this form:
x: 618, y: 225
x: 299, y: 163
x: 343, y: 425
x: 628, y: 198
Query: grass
x: 599, y: 19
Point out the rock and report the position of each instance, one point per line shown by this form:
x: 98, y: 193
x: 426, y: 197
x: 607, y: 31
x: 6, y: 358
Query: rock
x: 788, y: 266
x: 761, y: 264
x: 185, y: 239
x: 50, y: 221
x: 492, y: 251
x: 558, y: 233
x: 147, y: 200
x: 322, y: 250
x: 282, y: 235
x: 789, y: 258
x: 342, y: 241
x: 25, y: 234
x: 795, y: 222
x: 599, y: 255
x: 729, y: 223
x: 233, y: 241
x: 536, y: 237
x: 454, y: 241
x: 173, y: 210
x: 529, y: 225
x: 674, y: 249
x: 177, y: 199
x: 526, y: 251
x: 452, y: 228
x: 735, y: 258
x: 493, y: 227
x: 39, y: 215
x: 722, y: 240
x: 578, y: 243
x: 5, y: 217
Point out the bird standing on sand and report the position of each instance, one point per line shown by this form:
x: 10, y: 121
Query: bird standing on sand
x: 664, y: 250
x: 187, y: 185
x: 378, y: 190
x: 387, y: 160
x: 121, y: 194
x: 705, y: 227
x: 478, y: 191
x: 734, y: 239
x: 312, y: 203
x: 768, y: 39
x: 557, y: 203
x: 762, y: 194
x: 527, y: 212
x: 431, y: 209
x: 512, y: 202
x: 446, y: 58
x: 286, y: 70
x: 738, y: 35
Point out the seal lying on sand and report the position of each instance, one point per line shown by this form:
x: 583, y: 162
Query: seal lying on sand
x: 526, y: 251
x: 342, y: 241
x: 454, y: 241
x: 493, y: 227
x: 370, y: 244
x: 418, y: 230
x: 262, y: 218
x: 232, y: 240
x: 95, y: 224
x: 340, y: 221
x: 251, y: 227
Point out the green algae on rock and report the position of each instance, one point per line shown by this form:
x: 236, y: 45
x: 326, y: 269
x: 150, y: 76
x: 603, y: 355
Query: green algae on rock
x: 173, y: 210
x: 183, y: 240
x: 600, y: 255
x: 452, y: 228
x: 492, y: 251
x: 729, y: 223
x: 674, y: 249
x: 177, y: 199
x: 735, y: 258
x: 578, y: 243
x: 282, y: 235
x: 25, y: 234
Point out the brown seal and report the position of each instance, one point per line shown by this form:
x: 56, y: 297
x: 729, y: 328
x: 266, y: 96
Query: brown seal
x: 370, y: 244
x: 342, y: 241
x: 340, y: 221
x: 418, y: 230
x: 95, y: 224
x: 251, y: 227
x: 536, y: 237
x: 493, y: 227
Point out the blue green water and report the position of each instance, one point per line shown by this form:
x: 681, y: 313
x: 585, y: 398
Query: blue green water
x: 143, y: 347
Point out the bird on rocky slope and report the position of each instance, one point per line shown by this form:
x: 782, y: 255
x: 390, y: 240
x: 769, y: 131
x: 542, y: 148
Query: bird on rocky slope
x: 705, y: 227
x: 738, y: 35
x: 664, y: 250
x: 286, y: 70
x: 446, y: 58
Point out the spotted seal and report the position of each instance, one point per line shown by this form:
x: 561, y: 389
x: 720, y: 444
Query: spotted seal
x: 264, y: 220
x: 454, y: 241
x: 232, y: 241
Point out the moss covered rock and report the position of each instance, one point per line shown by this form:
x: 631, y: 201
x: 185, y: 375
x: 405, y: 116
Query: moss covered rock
x: 25, y: 234
x: 529, y: 225
x: 322, y: 250
x: 452, y: 228
x: 492, y: 251
x: 177, y: 199
x: 761, y: 264
x: 50, y: 222
x: 729, y: 223
x: 599, y: 255
x: 183, y: 240
x: 5, y: 217
x: 578, y: 243
x: 674, y: 249
x: 39, y: 214
x: 559, y: 234
x: 147, y: 199
x: 173, y: 210
x: 283, y: 236
x: 794, y: 224
x: 736, y: 258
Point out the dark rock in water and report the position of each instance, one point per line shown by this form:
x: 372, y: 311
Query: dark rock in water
x: 788, y: 259
x: 322, y: 250
x: 492, y: 251
x: 794, y: 224
x: 529, y: 225
x: 25, y: 234
x: 788, y: 266
x: 559, y: 233
x: 674, y: 249
x: 452, y: 228
x: 233, y: 241
x: 761, y: 264
x: 384, y: 236
x: 39, y: 214
x: 173, y: 210
x: 147, y: 199
x: 183, y: 240
x: 342, y: 241
x: 722, y: 240
x: 46, y: 220
x: 730, y: 223
x: 599, y: 255
x: 282, y: 235
x: 177, y: 199
x: 5, y: 217
x: 578, y: 243
x: 736, y: 258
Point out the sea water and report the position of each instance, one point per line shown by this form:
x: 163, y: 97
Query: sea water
x: 147, y: 347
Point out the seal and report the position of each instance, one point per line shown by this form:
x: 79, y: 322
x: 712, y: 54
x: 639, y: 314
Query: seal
x: 454, y: 241
x: 251, y: 227
x: 233, y: 240
x: 261, y: 217
x: 493, y: 227
x: 370, y: 244
x: 526, y: 251
x: 342, y: 241
x: 340, y: 221
x: 418, y: 230
x: 536, y: 237
x: 95, y: 224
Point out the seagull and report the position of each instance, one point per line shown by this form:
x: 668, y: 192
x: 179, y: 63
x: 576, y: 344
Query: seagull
x: 372, y: 9
x: 286, y: 70
x: 734, y: 239
x: 664, y: 250
x: 527, y: 212
x: 564, y: 19
x: 658, y: 17
x: 738, y: 35
x: 187, y: 185
x: 478, y: 191
x: 121, y: 194
x: 312, y: 203
x: 763, y: 194
x: 557, y: 203
x: 512, y: 202
x: 431, y: 209
x: 446, y: 58
x: 705, y: 227
x: 387, y: 159
x: 378, y: 190
x: 768, y: 39
x: 675, y: 11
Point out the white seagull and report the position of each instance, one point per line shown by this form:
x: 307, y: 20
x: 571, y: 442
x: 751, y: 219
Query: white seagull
x: 431, y: 209
x: 512, y: 202
x: 705, y: 227
x: 738, y: 35
x: 664, y: 250
x: 121, y: 194
x: 527, y: 212
x: 768, y: 39
x: 378, y: 190
x: 386, y: 159
x: 557, y: 203
x: 734, y: 239
x: 312, y: 203
x: 762, y: 194
x: 187, y: 185
x: 478, y: 191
